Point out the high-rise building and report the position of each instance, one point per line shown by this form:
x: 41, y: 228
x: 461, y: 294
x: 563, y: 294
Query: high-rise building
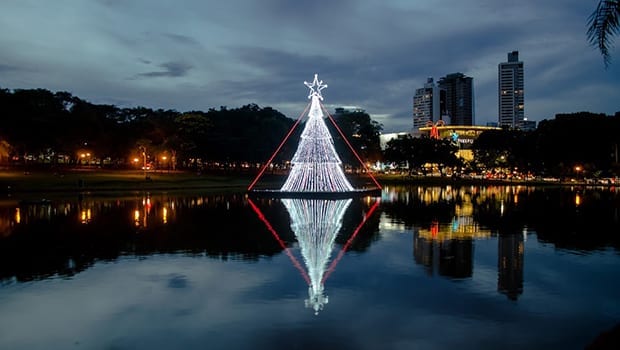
x: 459, y: 91
x: 427, y: 104
x: 510, y: 90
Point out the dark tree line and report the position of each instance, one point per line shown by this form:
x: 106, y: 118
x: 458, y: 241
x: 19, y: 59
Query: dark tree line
x: 584, y: 144
x: 47, y: 127
x: 580, y: 144
x: 414, y: 152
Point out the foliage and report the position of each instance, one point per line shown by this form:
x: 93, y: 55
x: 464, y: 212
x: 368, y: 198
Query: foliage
x: 416, y: 152
x: 47, y: 125
x: 556, y: 147
x: 603, y: 25
x: 363, y: 134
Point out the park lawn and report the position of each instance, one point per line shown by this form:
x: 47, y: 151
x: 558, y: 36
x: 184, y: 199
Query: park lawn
x: 122, y: 180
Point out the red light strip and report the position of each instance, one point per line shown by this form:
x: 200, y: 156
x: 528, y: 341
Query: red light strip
x: 278, y: 149
x: 296, y: 263
x: 332, y: 266
x: 350, y: 147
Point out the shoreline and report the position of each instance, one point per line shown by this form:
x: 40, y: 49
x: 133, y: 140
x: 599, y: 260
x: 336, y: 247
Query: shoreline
x: 105, y: 181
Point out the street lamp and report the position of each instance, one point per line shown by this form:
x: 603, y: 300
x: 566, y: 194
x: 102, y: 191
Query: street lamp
x: 578, y: 170
x: 85, y: 158
x: 163, y: 161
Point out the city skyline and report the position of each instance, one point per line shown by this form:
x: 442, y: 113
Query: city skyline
x: 200, y: 56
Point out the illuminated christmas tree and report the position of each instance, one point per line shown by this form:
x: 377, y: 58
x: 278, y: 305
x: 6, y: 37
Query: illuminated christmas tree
x: 316, y: 166
x: 316, y: 224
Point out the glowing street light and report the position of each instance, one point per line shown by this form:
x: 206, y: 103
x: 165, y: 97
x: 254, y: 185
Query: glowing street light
x: 85, y: 158
x: 578, y: 171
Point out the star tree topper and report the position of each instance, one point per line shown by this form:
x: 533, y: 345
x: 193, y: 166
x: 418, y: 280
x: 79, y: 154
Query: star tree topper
x: 316, y: 87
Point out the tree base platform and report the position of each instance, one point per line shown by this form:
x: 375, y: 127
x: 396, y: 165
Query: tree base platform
x: 374, y: 192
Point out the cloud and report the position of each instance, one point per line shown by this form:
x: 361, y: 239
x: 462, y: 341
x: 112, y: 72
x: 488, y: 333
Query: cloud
x: 8, y: 68
x: 181, y: 39
x: 371, y: 54
x: 171, y: 69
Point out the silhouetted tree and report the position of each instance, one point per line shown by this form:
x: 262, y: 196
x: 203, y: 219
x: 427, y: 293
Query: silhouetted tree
x: 419, y: 151
x: 362, y: 133
x: 603, y: 25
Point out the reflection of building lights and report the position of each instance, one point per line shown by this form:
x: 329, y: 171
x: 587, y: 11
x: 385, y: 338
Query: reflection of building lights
x: 577, y: 199
x: 164, y: 215
x: 136, y: 217
x: 146, y: 202
x: 85, y: 216
x: 434, y: 229
x: 457, y: 229
x: 18, y: 216
x: 501, y: 208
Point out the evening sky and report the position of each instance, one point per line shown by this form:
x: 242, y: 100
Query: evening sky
x: 196, y: 54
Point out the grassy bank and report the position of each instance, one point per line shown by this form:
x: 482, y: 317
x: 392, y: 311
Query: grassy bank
x: 119, y: 180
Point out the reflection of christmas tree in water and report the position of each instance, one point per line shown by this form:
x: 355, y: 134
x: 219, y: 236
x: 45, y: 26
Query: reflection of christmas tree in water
x: 316, y: 166
x: 316, y: 224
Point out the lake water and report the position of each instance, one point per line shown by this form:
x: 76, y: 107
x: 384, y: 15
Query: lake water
x: 471, y: 267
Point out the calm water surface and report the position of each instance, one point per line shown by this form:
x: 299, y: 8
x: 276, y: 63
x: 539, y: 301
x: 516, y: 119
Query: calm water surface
x: 418, y: 268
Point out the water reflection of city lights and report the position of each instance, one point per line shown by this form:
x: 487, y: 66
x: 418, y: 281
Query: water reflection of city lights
x: 459, y: 229
x: 85, y: 216
x: 136, y: 217
x: 577, y: 199
x: 18, y: 216
x: 146, y: 201
x: 164, y: 215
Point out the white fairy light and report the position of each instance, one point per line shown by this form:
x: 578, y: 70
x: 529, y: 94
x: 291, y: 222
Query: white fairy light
x: 316, y: 223
x: 316, y: 87
x: 316, y: 166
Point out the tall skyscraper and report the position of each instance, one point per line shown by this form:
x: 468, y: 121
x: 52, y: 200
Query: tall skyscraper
x: 510, y: 90
x: 459, y: 98
x: 427, y: 104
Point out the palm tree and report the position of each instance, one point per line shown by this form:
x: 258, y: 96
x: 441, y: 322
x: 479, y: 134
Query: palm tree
x: 603, y: 25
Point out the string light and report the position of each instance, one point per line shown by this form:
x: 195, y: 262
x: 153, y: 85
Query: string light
x: 316, y: 224
x: 316, y: 166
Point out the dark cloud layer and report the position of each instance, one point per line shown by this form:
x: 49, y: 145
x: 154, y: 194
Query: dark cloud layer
x: 170, y: 69
x: 199, y: 55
